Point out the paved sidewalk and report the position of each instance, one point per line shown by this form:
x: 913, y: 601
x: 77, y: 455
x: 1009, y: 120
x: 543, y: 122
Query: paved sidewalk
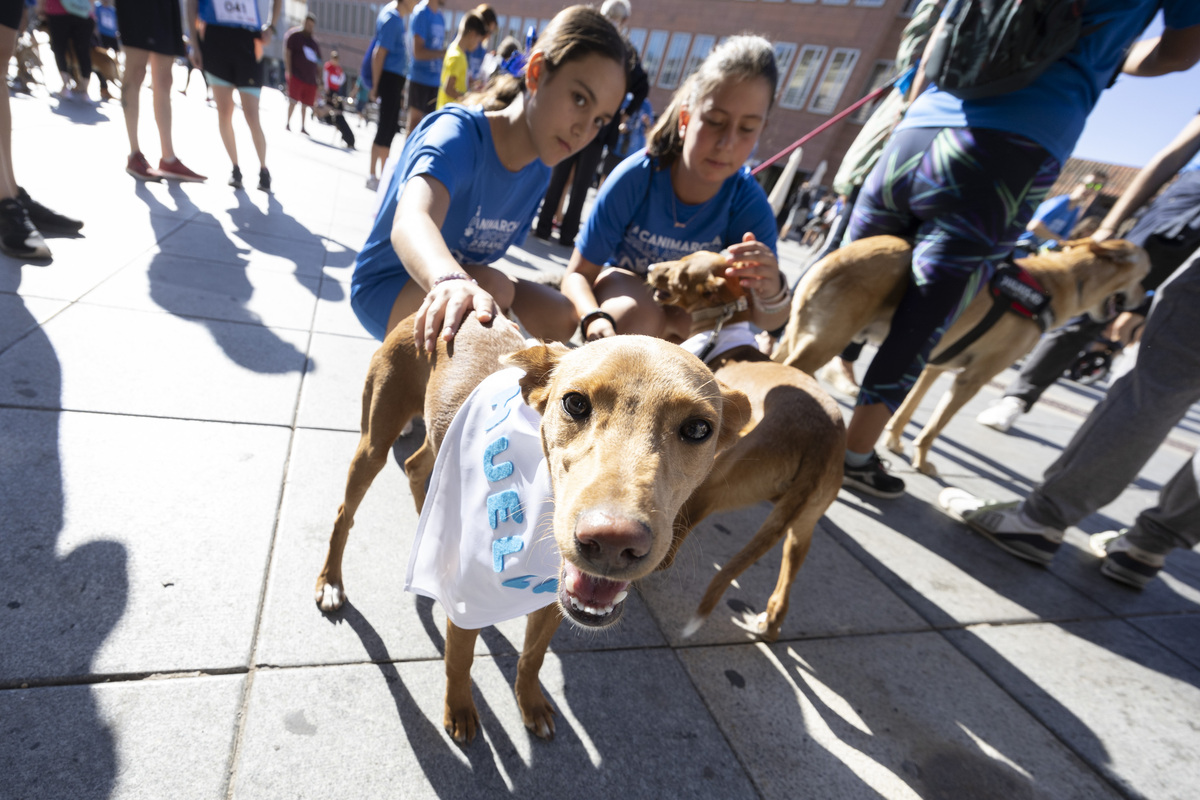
x: 179, y: 402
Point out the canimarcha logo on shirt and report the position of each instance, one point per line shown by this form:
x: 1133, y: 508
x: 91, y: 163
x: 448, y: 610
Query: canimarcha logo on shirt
x: 649, y: 248
x: 486, y: 235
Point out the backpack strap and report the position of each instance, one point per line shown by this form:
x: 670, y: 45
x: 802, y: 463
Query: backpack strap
x: 1015, y: 291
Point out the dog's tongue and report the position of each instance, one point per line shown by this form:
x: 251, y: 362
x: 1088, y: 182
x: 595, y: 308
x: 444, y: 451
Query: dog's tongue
x: 590, y: 590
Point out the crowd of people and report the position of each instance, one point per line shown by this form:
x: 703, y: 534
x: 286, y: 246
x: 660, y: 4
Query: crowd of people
x: 493, y: 141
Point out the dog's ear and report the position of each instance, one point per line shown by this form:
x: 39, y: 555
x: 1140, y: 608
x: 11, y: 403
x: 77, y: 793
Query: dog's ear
x: 1117, y: 250
x: 734, y: 416
x: 538, y: 362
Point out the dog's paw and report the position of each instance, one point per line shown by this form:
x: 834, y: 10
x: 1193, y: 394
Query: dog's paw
x: 407, y: 429
x: 461, y: 722
x: 895, y: 443
x: 330, y: 596
x: 538, y: 716
x: 924, y: 466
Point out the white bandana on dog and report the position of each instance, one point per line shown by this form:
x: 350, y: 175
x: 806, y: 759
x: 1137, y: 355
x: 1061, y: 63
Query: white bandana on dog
x: 733, y: 335
x: 485, y: 548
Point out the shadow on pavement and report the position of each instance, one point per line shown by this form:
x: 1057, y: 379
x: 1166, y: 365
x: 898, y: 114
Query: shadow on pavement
x: 59, y: 603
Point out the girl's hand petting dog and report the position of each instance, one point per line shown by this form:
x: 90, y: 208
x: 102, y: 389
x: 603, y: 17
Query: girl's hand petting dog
x: 445, y: 307
x: 754, y: 266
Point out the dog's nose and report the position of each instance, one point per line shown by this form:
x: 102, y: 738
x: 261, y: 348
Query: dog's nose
x: 610, y: 542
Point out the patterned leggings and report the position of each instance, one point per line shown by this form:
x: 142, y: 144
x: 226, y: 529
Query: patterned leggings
x: 962, y: 196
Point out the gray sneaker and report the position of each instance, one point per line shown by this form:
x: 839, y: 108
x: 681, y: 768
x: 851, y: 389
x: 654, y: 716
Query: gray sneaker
x: 1003, y: 524
x: 1124, y: 561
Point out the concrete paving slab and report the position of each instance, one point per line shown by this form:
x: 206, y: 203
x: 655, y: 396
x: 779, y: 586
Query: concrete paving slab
x: 1125, y: 704
x: 189, y: 287
x: 382, y: 621
x: 629, y: 724
x: 21, y: 315
x: 120, y: 741
x: 1178, y: 633
x: 133, y: 545
x: 893, y: 716
x: 332, y: 393
x: 949, y: 574
x: 131, y: 362
x: 334, y: 314
x: 199, y: 239
x: 833, y: 594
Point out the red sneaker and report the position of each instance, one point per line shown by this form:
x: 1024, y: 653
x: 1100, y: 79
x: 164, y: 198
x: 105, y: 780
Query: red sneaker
x: 176, y: 171
x: 138, y: 167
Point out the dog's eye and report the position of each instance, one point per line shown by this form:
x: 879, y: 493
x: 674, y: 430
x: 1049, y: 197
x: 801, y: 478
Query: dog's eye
x: 576, y: 405
x: 695, y: 430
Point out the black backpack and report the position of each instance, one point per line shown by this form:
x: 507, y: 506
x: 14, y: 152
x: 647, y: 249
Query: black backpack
x: 989, y: 47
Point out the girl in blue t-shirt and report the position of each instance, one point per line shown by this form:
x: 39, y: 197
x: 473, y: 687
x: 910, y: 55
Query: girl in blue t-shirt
x: 687, y: 191
x: 467, y: 183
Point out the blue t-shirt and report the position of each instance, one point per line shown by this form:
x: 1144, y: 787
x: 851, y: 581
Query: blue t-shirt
x: 106, y: 20
x: 1052, y: 110
x: 231, y: 13
x: 389, y: 34
x: 475, y: 63
x: 490, y: 207
x: 430, y: 25
x: 637, y: 220
x: 1057, y: 215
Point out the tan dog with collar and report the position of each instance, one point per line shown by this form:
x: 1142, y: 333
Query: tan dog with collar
x: 852, y: 293
x: 789, y: 454
x: 630, y: 427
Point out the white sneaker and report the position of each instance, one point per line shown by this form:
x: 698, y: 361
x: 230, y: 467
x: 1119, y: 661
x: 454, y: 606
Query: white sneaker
x: 1004, y: 524
x: 372, y: 183
x: 1003, y: 414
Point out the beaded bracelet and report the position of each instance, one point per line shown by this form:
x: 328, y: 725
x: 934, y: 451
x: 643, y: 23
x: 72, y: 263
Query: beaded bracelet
x: 453, y: 276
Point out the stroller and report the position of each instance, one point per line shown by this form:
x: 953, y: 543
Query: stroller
x: 330, y: 111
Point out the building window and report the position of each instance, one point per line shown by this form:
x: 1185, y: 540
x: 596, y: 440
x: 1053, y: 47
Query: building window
x: 881, y: 73
x: 530, y: 22
x: 637, y: 38
x: 783, y: 57
x: 803, y: 75
x: 833, y: 82
x: 869, y: 3
x: 835, y: 2
x: 655, y: 46
x: 672, y: 68
x: 701, y: 46
x: 514, y: 30
x: 807, y: 2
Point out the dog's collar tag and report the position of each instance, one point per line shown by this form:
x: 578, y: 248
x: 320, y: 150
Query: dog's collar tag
x: 484, y: 548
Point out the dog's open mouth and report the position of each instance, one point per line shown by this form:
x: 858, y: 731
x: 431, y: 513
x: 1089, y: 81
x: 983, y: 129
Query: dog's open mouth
x: 590, y: 601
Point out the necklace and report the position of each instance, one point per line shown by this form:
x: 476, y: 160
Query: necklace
x: 675, y: 210
x: 674, y: 213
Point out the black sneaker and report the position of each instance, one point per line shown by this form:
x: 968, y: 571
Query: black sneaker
x: 264, y: 180
x: 19, y: 237
x: 235, y: 180
x: 45, y: 219
x: 873, y: 479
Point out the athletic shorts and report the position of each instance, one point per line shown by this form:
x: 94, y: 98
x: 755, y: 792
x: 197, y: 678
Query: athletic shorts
x: 154, y: 25
x: 10, y: 14
x: 301, y: 92
x: 373, y: 299
x: 422, y: 97
x: 231, y: 57
x: 391, y: 100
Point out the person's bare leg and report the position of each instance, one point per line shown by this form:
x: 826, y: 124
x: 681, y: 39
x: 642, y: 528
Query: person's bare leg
x: 866, y: 426
x: 414, y: 119
x: 136, y: 60
x: 8, y: 182
x: 161, y: 80
x: 303, y: 109
x: 250, y: 112
x: 223, y: 95
x: 291, y: 107
x: 378, y: 157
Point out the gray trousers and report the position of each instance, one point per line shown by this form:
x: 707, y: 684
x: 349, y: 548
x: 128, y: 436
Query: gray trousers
x: 1131, y: 422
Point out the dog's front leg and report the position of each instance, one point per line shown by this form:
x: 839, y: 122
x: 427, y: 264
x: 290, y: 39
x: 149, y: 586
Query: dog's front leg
x: 460, y: 718
x: 536, y: 711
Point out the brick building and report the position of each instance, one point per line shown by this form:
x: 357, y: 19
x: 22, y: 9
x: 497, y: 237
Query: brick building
x: 830, y: 52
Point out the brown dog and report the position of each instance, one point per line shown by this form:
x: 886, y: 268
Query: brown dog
x: 790, y: 454
x: 630, y: 427
x: 854, y: 291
